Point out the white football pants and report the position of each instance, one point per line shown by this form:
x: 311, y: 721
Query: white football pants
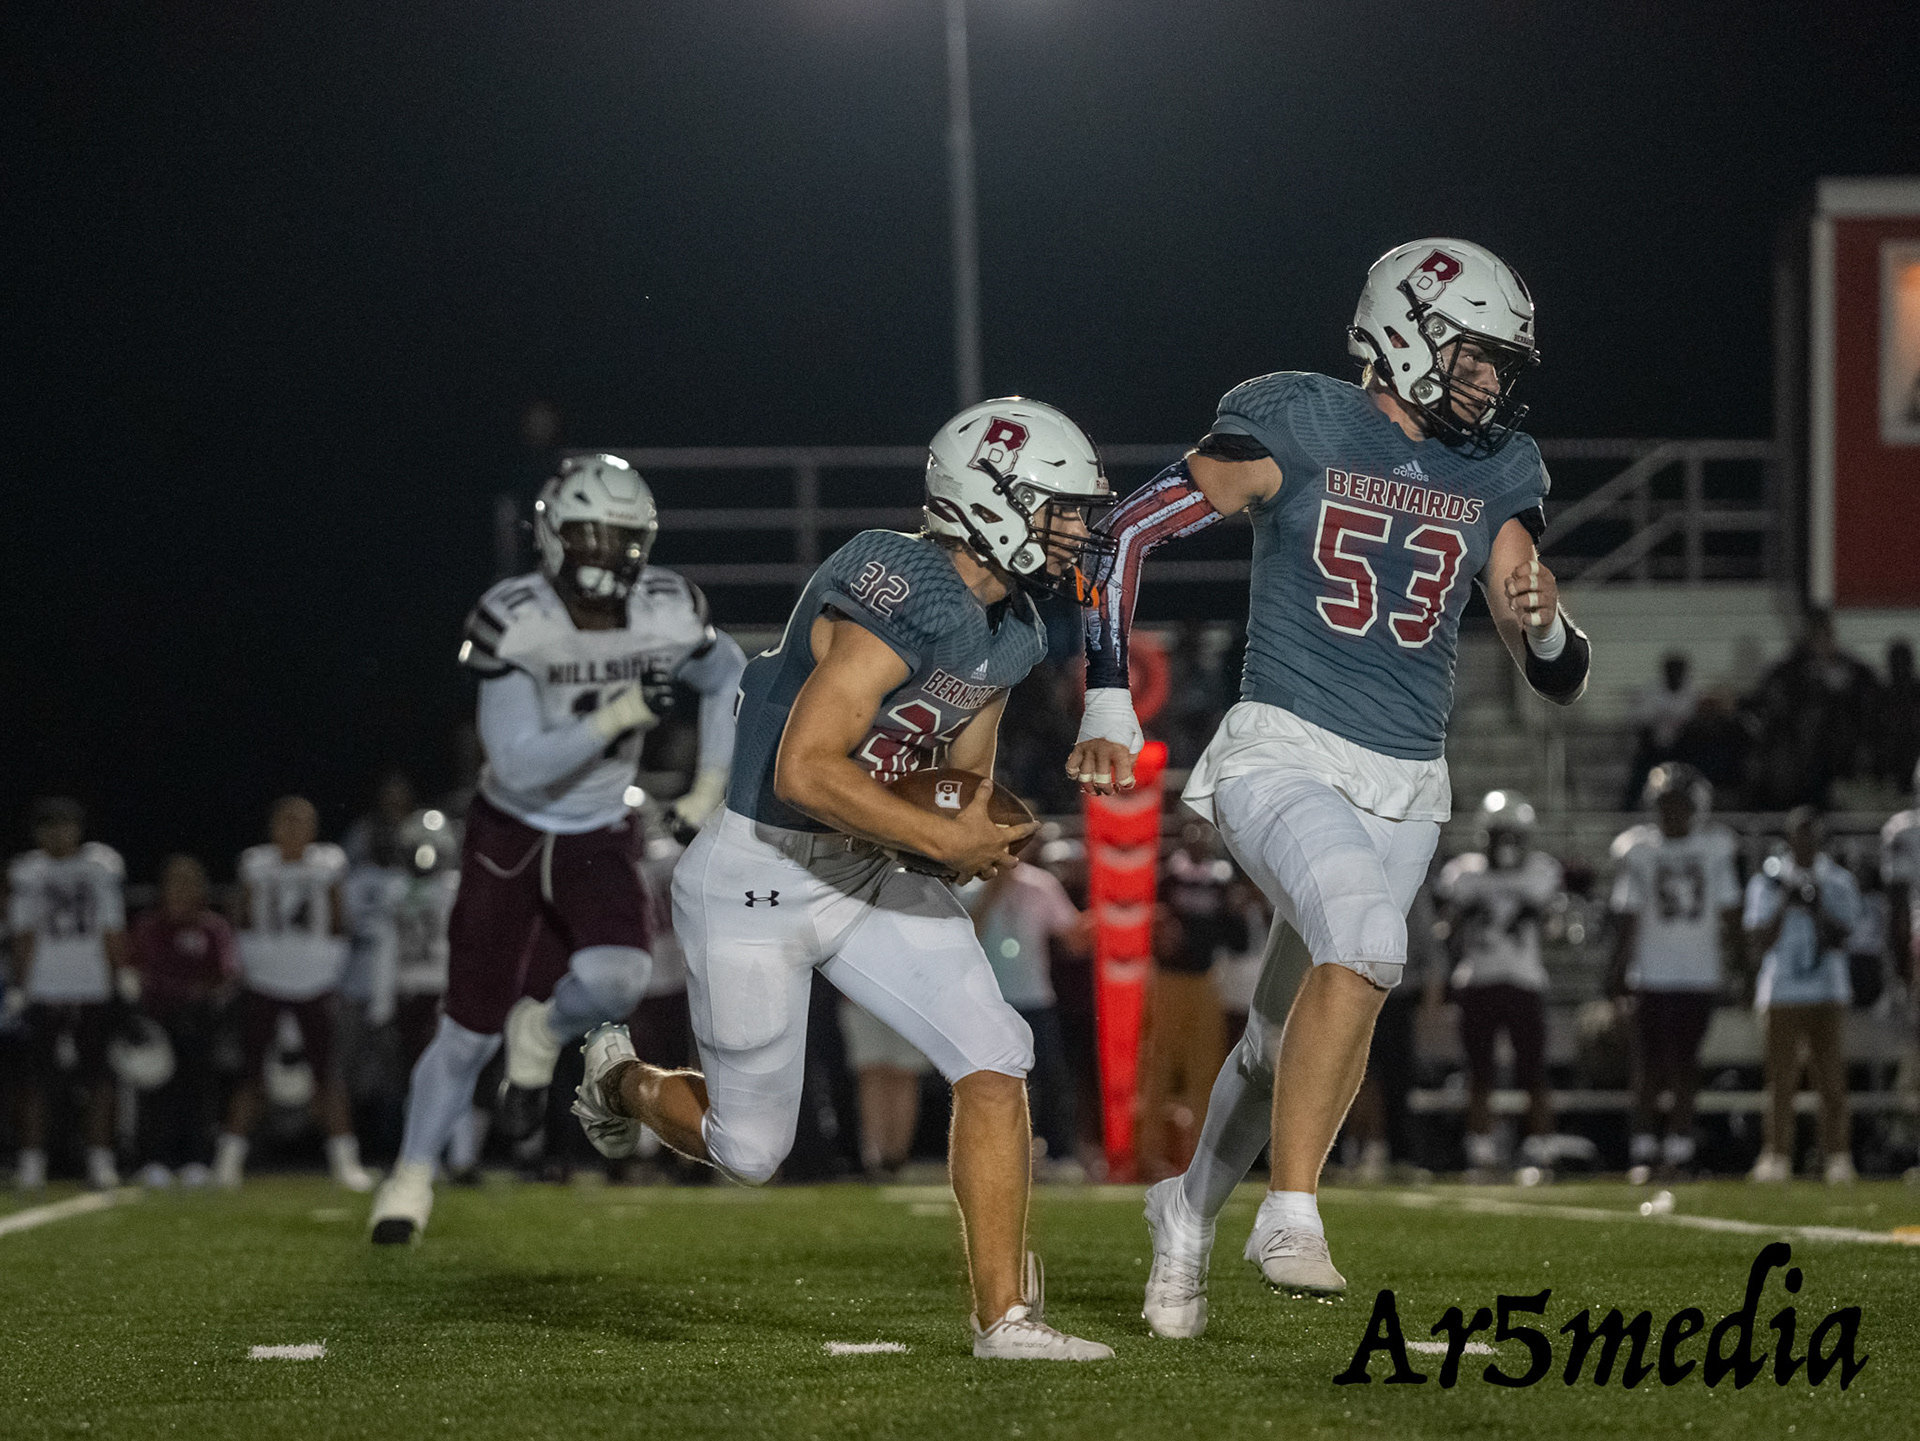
x: 758, y: 909
x: 1341, y: 881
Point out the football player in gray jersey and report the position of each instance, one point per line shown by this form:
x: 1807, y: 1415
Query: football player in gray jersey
x: 898, y: 657
x: 1373, y: 505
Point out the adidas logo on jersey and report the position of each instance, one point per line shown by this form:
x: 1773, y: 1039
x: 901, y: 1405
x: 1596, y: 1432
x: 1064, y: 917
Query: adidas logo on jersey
x: 980, y: 671
x: 1411, y: 470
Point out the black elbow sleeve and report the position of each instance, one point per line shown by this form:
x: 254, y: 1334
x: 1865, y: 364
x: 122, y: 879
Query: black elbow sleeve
x: 1562, y: 679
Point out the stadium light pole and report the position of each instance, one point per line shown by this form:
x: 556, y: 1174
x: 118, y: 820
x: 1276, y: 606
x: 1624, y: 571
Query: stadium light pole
x: 963, y: 214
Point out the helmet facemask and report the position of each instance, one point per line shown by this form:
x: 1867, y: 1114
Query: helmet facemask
x: 601, y: 562
x: 1456, y: 402
x: 1064, y: 554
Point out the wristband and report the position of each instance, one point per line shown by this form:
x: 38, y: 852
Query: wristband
x: 1109, y: 717
x: 1562, y: 679
x: 1549, y: 646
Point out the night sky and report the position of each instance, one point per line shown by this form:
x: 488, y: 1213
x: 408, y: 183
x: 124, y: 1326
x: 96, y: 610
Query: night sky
x: 282, y: 278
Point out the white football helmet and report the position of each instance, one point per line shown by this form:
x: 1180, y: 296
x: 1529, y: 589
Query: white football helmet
x: 1506, y: 821
x: 1003, y: 476
x: 1420, y: 301
x: 595, y: 522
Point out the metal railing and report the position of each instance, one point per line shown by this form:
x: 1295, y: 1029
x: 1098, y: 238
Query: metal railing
x: 1632, y: 500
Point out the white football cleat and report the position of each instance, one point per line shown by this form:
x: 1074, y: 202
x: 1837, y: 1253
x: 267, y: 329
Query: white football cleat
x: 1840, y: 1171
x: 613, y: 1135
x: 401, y: 1207
x: 30, y: 1170
x: 1020, y: 1336
x: 1772, y: 1166
x: 1296, y: 1260
x: 102, y: 1173
x: 532, y: 1052
x: 343, y: 1160
x: 1176, y: 1303
x: 229, y: 1161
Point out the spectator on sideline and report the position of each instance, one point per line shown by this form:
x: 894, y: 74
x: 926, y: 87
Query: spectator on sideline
x: 1897, y: 724
x: 1800, y: 909
x: 1815, y: 708
x: 292, y: 952
x: 888, y: 1069
x: 370, y: 837
x: 68, y: 921
x: 1021, y: 915
x: 1659, y: 714
x: 184, y: 952
x: 1378, y: 1118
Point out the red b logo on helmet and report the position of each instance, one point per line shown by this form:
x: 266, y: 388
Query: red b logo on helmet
x: 1433, y: 274
x: 1000, y: 447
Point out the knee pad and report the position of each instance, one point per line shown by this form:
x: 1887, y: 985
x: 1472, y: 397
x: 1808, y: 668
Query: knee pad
x: 612, y: 979
x: 1372, y: 944
x: 1005, y: 1048
x: 748, y: 1154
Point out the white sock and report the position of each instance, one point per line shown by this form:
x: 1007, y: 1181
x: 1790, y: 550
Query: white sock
x: 32, y: 1164
x: 1375, y: 1153
x: 343, y: 1154
x: 463, y: 1147
x: 1483, y: 1150
x: 231, y: 1151
x: 1678, y: 1150
x: 1238, y: 1124
x: 1644, y: 1148
x: 1299, y: 1209
x: 409, y: 1171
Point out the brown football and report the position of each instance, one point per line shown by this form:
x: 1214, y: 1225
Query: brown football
x: 946, y: 791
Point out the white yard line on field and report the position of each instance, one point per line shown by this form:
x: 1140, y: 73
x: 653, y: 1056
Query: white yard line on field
x: 1491, y: 1206
x: 63, y: 1210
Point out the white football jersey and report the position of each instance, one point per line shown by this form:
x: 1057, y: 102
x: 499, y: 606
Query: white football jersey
x: 1678, y: 890
x: 522, y: 624
x: 1500, y: 913
x: 412, y: 919
x: 68, y: 905
x: 288, y: 949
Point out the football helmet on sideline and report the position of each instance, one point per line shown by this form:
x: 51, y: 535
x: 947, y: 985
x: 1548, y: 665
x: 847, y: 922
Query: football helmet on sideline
x: 1003, y: 475
x: 1506, y: 820
x: 594, y: 523
x: 1420, y: 302
x: 1676, y: 778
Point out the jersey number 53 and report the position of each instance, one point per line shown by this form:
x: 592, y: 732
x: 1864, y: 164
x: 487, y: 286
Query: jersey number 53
x: 1346, y: 542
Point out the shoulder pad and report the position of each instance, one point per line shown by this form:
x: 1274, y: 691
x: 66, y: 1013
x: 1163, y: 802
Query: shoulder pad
x: 1266, y: 397
x: 22, y: 867
x: 664, y: 587
x: 105, y: 857
x: 1459, y: 868
x: 1632, y: 838
x: 255, y: 859
x: 326, y: 856
x: 507, y: 604
x: 1899, y: 825
x: 903, y: 581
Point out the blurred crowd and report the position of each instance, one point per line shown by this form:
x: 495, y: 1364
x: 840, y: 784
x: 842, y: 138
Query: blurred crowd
x: 1819, y: 722
x: 266, y: 1012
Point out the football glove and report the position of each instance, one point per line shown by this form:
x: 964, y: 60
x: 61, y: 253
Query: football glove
x: 702, y: 799
x: 625, y: 710
x: 1109, y: 717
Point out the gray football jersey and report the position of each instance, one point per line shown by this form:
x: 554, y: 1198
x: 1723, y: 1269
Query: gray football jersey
x: 905, y: 590
x: 1361, y: 563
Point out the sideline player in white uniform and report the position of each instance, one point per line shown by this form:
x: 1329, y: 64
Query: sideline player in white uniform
x: 69, y: 926
x: 1676, y: 913
x: 293, y: 950
x: 1494, y: 903
x: 550, y: 935
x: 1372, y: 506
x: 1900, y: 871
x: 899, y: 656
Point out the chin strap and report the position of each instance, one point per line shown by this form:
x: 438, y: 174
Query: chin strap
x: 1165, y: 508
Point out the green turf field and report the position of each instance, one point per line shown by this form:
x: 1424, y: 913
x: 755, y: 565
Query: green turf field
x: 535, y: 1311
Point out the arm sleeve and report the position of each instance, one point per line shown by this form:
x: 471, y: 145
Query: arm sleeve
x: 1166, y: 508
x: 520, y: 749
x: 715, y: 674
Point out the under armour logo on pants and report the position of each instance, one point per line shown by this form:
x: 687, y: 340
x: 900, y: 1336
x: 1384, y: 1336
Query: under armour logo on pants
x: 772, y: 898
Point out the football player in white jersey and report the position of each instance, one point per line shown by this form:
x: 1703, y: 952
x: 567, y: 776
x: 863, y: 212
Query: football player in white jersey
x: 898, y: 657
x: 1494, y: 901
x: 293, y: 949
x: 70, y: 963
x: 549, y: 936
x: 1677, y: 937
x: 1900, y: 871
